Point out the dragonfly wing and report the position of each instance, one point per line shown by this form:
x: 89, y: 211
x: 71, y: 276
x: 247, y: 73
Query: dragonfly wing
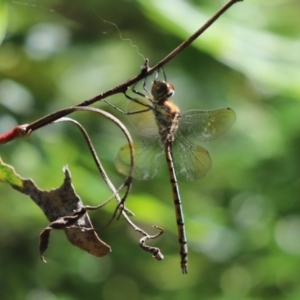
x: 144, y: 122
x: 206, y: 125
x: 191, y: 161
x: 147, y: 159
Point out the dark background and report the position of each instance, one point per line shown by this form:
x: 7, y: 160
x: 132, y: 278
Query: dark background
x: 242, y: 219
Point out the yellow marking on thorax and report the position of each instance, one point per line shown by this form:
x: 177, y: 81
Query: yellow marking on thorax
x: 167, y: 116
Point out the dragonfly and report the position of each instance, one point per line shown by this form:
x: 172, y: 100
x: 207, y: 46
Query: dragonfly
x: 174, y: 136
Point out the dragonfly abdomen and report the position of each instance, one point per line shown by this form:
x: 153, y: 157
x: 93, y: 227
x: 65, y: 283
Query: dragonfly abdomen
x: 178, y: 207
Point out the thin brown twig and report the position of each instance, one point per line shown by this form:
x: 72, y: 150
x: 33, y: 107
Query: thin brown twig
x: 128, y: 180
x: 100, y: 168
x: 193, y: 37
x: 102, y: 171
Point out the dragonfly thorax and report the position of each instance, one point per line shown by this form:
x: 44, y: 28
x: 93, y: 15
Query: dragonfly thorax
x: 166, y: 112
x: 167, y: 115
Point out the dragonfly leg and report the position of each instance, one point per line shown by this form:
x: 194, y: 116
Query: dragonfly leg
x: 128, y: 113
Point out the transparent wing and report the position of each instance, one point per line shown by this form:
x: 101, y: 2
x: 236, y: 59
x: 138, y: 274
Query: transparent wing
x: 191, y: 161
x: 147, y: 159
x: 144, y: 122
x: 206, y: 125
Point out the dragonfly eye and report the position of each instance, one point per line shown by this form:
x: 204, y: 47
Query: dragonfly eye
x: 162, y: 90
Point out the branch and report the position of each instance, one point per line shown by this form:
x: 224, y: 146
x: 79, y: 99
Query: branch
x: 121, y: 88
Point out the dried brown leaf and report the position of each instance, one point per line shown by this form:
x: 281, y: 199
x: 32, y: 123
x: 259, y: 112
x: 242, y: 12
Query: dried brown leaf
x: 65, y: 210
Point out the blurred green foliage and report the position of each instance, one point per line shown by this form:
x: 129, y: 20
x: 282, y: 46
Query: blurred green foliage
x: 242, y: 219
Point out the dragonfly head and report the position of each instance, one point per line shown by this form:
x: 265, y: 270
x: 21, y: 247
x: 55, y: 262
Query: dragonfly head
x: 162, y: 90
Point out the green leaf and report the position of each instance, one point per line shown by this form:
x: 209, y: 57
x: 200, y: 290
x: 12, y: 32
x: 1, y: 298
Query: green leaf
x: 8, y: 174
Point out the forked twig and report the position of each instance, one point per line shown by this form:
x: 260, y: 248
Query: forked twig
x: 26, y: 129
x: 153, y: 250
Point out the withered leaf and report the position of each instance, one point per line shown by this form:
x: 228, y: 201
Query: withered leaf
x: 63, y: 208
